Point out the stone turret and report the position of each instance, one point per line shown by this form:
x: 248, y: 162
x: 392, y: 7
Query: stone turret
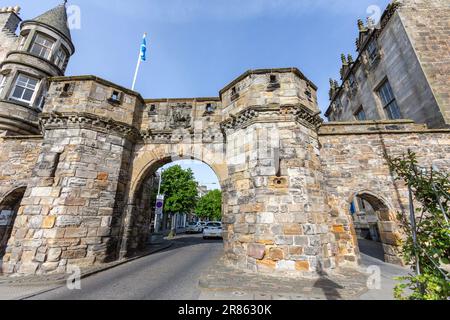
x: 41, y: 50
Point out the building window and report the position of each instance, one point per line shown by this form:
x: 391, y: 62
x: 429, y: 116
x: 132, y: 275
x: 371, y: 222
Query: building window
x: 60, y: 59
x: 372, y: 51
x: 42, y: 46
x: 116, y: 97
x: 41, y: 100
x: 23, y: 39
x: 308, y: 94
x: 24, y: 89
x: 209, y: 108
x: 234, y: 94
x: 152, y: 110
x: 389, y: 103
x: 2, y: 83
x: 360, y: 114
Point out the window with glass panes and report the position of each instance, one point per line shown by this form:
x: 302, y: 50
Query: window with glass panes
x: 360, y: 114
x: 24, y: 88
x: 2, y: 82
x: 42, y: 46
x: 372, y: 51
x: 22, y: 42
x: 60, y: 59
x: 389, y: 103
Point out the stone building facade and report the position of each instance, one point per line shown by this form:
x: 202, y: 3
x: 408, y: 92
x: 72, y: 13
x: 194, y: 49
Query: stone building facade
x: 75, y: 175
x: 402, y: 69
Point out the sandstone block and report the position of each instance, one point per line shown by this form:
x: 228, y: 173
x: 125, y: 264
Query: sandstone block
x: 48, y: 222
x: 256, y: 251
x: 338, y: 228
x: 75, y: 232
x: 292, y: 229
x: 74, y: 254
x: 266, y: 264
x: 275, y: 254
x: 54, y: 254
x: 265, y: 217
x: 302, y: 266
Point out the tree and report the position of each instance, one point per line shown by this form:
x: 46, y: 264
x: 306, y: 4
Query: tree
x: 210, y: 206
x: 427, y: 242
x: 180, y: 190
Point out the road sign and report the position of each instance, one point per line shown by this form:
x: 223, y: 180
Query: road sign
x: 159, y: 204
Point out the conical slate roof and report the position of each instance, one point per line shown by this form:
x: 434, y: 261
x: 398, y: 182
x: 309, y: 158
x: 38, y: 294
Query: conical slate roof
x: 56, y: 18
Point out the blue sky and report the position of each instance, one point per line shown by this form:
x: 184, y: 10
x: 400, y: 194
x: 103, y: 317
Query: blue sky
x: 196, y: 47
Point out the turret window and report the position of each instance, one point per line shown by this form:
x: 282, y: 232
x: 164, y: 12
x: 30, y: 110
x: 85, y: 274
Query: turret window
x: 2, y: 83
x: 60, y: 59
x: 23, y: 40
x: 42, y: 46
x: 24, y: 88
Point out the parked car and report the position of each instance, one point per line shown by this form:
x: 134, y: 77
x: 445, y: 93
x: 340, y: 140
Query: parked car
x: 194, y: 227
x: 213, y: 230
x: 203, y: 225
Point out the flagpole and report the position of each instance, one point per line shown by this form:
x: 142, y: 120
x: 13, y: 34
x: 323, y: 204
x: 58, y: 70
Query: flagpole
x: 138, y: 66
x: 136, y: 72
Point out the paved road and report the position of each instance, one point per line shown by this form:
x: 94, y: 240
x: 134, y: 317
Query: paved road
x: 173, y: 274
x: 170, y: 274
x: 372, y: 255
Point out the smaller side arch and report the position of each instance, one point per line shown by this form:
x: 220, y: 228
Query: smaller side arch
x: 9, y: 207
x: 374, y: 213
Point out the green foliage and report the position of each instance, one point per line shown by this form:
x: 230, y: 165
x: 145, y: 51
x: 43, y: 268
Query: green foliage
x: 210, y: 206
x: 180, y: 190
x: 431, y: 190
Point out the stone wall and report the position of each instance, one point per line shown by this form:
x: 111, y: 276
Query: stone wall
x: 65, y: 216
x: 427, y: 23
x: 18, y: 156
x: 352, y: 157
x: 276, y: 214
x: 411, y: 44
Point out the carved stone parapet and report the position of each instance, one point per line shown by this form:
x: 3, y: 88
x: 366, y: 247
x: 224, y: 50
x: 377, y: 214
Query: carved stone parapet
x: 272, y: 113
x: 56, y: 120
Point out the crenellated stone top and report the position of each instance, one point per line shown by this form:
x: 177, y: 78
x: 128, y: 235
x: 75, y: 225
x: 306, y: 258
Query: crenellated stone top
x: 267, y: 95
x: 15, y: 9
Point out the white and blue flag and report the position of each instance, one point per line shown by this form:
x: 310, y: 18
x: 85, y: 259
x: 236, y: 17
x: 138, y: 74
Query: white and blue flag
x: 142, y: 57
x: 144, y: 48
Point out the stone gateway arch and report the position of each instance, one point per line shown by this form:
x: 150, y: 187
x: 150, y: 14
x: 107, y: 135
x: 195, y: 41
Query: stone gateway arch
x: 77, y: 153
x: 287, y: 177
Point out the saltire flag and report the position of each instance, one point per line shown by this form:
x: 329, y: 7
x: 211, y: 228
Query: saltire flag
x: 144, y: 48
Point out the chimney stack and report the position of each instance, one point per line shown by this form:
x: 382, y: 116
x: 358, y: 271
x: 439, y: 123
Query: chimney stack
x: 9, y: 18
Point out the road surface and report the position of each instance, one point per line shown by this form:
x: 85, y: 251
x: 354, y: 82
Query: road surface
x: 171, y: 274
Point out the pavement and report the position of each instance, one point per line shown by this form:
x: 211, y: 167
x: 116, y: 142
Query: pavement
x: 372, y: 256
x: 191, y: 269
x: 225, y: 283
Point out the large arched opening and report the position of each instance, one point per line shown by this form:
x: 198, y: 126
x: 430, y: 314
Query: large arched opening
x: 9, y: 206
x: 142, y: 225
x: 375, y: 227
